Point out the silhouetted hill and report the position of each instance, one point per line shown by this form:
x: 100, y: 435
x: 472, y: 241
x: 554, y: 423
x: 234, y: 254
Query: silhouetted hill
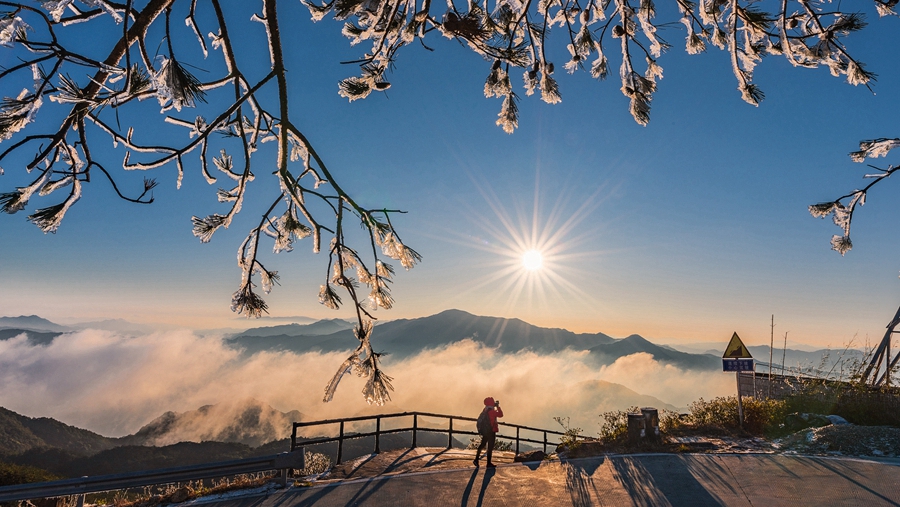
x: 318, y: 328
x: 607, y: 353
x: 405, y: 337
x: 46, y: 458
x: 20, y: 433
x: 249, y: 422
x: 134, y: 458
x: 31, y: 322
x: 15, y: 437
x: 72, y: 439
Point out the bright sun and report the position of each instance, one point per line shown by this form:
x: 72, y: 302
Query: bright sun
x: 532, y: 260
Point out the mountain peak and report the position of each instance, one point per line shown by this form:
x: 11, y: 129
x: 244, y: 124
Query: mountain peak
x: 31, y: 323
x: 247, y: 421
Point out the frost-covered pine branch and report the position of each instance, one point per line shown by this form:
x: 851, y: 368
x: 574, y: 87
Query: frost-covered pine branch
x: 224, y: 119
x: 842, y: 209
x: 516, y: 33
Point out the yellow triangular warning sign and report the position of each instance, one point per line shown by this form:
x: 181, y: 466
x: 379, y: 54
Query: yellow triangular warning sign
x: 736, y: 349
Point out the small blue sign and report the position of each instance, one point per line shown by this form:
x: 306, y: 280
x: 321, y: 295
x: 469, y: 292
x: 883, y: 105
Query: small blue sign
x: 737, y: 365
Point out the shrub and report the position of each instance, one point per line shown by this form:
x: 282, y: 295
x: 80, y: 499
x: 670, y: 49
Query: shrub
x: 670, y: 421
x: 614, y: 425
x: 760, y: 415
x: 21, y: 474
x: 570, y: 436
x: 857, y: 405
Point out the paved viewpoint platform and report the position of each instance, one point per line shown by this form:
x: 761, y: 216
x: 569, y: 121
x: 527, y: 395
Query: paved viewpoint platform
x: 621, y: 480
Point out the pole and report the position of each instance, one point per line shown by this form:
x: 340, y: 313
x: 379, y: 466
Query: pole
x: 771, y: 346
x: 737, y: 375
x: 784, y: 352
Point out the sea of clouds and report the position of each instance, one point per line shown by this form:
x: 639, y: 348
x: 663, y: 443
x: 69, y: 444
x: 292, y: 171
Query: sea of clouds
x: 114, y: 384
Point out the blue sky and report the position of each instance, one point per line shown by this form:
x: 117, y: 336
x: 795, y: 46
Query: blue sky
x: 685, y: 230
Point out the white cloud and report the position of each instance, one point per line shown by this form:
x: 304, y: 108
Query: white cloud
x: 114, y: 384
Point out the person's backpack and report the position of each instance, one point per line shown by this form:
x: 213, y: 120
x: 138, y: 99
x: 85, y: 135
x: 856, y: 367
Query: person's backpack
x: 483, y: 425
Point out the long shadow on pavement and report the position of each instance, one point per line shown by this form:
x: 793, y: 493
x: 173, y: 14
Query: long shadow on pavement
x: 485, y: 481
x: 488, y: 474
x: 580, y: 480
x: 660, y: 482
x: 468, y: 491
x: 842, y: 470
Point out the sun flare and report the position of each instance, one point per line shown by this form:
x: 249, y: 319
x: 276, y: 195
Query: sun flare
x: 532, y: 260
x: 537, y: 255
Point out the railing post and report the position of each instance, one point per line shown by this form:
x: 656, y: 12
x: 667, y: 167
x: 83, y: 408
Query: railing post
x: 517, y: 440
x: 545, y: 442
x: 340, y: 444
x: 294, y: 438
x: 415, y: 428
x: 378, y: 435
x: 79, y: 501
x: 450, y: 435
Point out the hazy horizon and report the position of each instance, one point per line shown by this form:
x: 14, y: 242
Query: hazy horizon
x: 113, y: 384
x: 241, y: 324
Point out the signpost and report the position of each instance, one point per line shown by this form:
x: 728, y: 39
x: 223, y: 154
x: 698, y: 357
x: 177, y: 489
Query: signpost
x: 737, y: 359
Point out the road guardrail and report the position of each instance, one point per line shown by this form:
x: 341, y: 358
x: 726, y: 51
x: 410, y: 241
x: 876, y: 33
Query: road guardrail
x: 100, y: 483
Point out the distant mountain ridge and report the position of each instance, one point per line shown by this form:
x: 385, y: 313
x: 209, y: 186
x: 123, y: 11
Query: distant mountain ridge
x: 318, y: 328
x: 406, y: 337
x: 31, y: 323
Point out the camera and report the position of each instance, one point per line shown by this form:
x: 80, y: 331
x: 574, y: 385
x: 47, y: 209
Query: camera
x: 496, y: 402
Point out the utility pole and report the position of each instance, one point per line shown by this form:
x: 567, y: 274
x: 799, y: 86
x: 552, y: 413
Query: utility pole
x: 771, y: 346
x: 784, y: 352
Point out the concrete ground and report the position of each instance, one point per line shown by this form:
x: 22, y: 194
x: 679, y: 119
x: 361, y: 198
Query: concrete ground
x: 435, y: 478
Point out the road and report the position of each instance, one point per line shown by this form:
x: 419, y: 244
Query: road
x: 620, y: 480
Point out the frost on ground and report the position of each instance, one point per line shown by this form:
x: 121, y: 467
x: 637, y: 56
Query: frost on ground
x: 264, y: 490
x: 843, y: 440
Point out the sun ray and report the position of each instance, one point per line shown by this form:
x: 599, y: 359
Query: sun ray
x: 554, y: 274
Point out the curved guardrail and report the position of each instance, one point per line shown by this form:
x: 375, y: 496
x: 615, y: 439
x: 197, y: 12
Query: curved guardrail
x: 96, y: 484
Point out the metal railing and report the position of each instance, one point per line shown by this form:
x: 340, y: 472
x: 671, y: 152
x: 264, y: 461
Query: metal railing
x: 100, y: 483
x: 415, y: 429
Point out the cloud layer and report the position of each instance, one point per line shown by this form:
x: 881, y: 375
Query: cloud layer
x: 114, y: 384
